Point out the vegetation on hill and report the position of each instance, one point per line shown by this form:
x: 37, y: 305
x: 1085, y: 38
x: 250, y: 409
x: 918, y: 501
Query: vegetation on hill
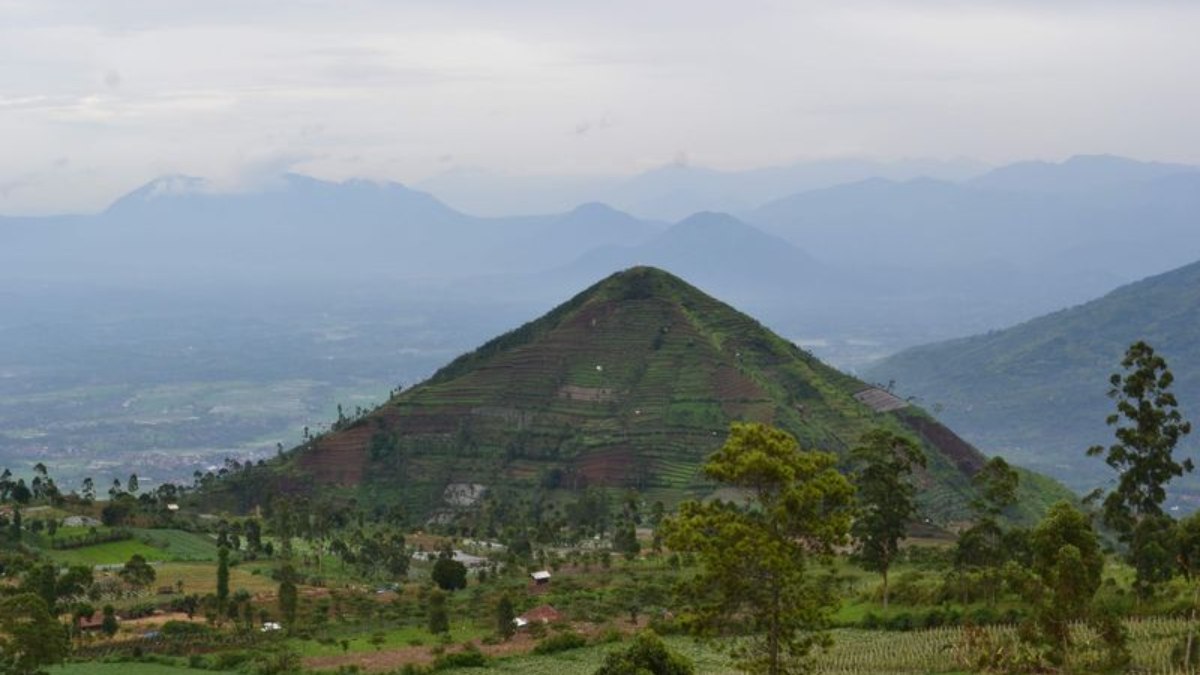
x: 629, y: 385
x: 1029, y: 392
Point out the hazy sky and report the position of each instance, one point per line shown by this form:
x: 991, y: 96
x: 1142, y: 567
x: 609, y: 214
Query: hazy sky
x: 98, y: 96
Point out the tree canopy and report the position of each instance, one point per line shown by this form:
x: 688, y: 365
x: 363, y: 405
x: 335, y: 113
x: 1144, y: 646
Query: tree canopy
x: 756, y: 556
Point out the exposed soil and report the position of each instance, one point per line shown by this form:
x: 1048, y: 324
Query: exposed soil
x: 964, y: 455
x: 611, y: 466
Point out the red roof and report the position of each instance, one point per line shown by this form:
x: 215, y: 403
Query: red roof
x: 96, y: 620
x: 542, y: 614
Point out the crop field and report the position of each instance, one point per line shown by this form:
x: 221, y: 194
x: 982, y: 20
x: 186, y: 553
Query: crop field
x: 179, y: 545
x: 199, y: 577
x: 859, y: 652
x: 110, y: 553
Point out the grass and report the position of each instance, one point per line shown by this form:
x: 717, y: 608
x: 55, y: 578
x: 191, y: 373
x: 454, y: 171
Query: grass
x: 111, y: 553
x: 395, y: 638
x: 126, y: 669
x: 179, y: 545
x: 200, y: 577
x: 585, y: 661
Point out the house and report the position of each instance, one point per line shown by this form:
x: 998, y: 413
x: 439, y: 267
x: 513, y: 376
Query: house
x: 542, y: 614
x: 541, y: 577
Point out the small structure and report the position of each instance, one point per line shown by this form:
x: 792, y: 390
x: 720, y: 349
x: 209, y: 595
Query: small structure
x: 271, y: 626
x: 541, y: 578
x: 542, y: 614
x: 90, y: 623
x: 172, y: 507
x: 80, y: 521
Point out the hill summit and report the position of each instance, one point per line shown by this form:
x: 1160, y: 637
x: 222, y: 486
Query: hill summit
x: 632, y: 383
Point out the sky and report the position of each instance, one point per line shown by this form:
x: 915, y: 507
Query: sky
x: 98, y: 97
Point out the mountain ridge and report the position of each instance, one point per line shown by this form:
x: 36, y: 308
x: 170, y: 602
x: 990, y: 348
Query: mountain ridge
x: 1036, y: 391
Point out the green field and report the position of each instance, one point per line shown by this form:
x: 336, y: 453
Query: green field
x: 111, y: 553
x: 179, y: 545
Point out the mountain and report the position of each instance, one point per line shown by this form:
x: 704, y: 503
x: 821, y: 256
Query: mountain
x: 630, y: 384
x: 1019, y: 242
x: 675, y: 191
x: 1077, y: 174
x: 717, y: 250
x: 1036, y: 392
x: 297, y: 227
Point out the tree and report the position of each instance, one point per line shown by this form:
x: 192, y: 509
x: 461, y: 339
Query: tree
x: 14, y: 530
x: 288, y: 596
x: 997, y: 483
x: 30, y: 636
x: 439, y: 615
x: 253, y: 536
x: 886, y: 497
x: 505, y: 617
x: 1148, y: 427
x: 137, y: 572
x: 109, y: 624
x: 986, y: 547
x: 449, y: 574
x: 755, y: 555
x: 222, y: 578
x: 1068, y: 564
x: 625, y: 539
x: 648, y: 655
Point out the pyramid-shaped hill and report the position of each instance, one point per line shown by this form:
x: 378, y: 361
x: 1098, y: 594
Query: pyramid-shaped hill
x: 633, y: 383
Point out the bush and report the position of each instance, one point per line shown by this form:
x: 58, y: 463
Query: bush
x: 902, y: 621
x: 184, y: 629
x: 560, y: 643
x: 647, y: 654
x: 470, y: 657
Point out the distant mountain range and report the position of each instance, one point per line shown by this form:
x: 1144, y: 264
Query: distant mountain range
x: 884, y: 262
x: 1036, y: 392
x: 675, y: 191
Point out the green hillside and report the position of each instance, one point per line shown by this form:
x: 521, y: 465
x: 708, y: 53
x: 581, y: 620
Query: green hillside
x: 630, y: 384
x: 1036, y: 393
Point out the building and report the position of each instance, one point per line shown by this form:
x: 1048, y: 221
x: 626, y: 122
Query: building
x: 542, y: 614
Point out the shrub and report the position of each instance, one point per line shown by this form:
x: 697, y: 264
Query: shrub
x: 560, y: 643
x: 467, y: 658
x: 647, y: 654
x: 182, y: 629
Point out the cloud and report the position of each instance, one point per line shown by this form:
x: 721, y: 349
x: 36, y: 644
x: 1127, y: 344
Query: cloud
x: 132, y: 89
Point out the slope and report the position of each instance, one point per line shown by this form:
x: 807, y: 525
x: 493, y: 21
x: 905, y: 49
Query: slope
x: 1036, y: 392
x: 631, y: 383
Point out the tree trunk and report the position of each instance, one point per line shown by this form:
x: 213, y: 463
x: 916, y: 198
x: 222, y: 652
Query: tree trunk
x: 1187, y: 655
x: 775, y: 667
x: 885, y: 590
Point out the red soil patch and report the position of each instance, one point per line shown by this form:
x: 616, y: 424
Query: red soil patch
x: 964, y: 455
x: 340, y: 458
x: 730, y: 385
x: 611, y: 466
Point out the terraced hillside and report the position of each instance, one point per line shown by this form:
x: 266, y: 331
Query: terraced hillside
x: 632, y: 383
